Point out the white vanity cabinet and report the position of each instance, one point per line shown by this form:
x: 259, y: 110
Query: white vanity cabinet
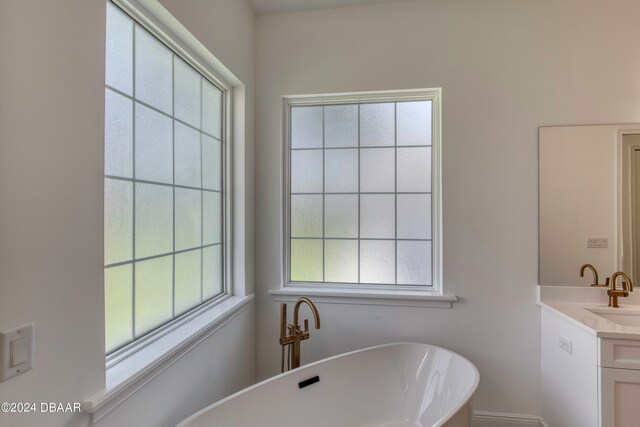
x: 619, y: 379
x: 586, y: 380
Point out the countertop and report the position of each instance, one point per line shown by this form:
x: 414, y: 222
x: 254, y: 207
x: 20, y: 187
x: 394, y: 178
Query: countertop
x: 578, y: 313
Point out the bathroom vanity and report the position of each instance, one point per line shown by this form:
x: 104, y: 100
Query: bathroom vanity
x: 590, y: 367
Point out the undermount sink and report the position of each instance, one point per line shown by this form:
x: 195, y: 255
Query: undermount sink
x: 621, y: 316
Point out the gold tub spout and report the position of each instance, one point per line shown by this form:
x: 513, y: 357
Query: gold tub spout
x: 291, y: 335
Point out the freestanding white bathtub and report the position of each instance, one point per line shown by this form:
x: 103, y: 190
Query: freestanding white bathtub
x: 403, y: 384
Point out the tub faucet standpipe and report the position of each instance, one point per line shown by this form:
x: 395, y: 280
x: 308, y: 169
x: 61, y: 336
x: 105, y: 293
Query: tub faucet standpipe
x: 291, y: 335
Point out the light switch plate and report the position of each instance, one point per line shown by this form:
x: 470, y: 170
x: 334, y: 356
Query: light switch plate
x: 11, y: 341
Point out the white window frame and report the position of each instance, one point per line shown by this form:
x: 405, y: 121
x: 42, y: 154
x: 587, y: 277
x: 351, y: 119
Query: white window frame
x: 131, y: 367
x: 432, y: 295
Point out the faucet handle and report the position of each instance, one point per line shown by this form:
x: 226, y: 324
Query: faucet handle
x: 306, y: 325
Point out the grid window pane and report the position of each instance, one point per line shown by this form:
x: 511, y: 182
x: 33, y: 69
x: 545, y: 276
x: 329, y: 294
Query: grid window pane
x: 341, y: 171
x: 306, y: 171
x: 154, y: 145
x: 377, y: 216
x: 187, y: 93
x: 118, y: 135
x: 414, y: 169
x: 211, y: 109
x: 153, y: 293
x: 377, y: 124
x: 187, y: 154
x: 306, y: 216
x: 212, y: 272
x: 377, y: 170
x: 118, y: 296
x: 341, y: 261
x: 414, y: 123
x: 188, y: 290
x: 306, y: 127
x: 341, y: 126
x: 377, y: 261
x: 414, y: 216
x: 118, y: 221
x: 306, y: 260
x: 211, y: 217
x: 164, y: 186
x: 154, y: 219
x: 188, y: 217
x: 119, y: 50
x: 154, y: 71
x: 211, y: 163
x: 414, y: 263
x: 360, y: 201
x: 341, y: 215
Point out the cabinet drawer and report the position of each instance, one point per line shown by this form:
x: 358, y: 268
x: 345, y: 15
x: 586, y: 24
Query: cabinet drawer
x: 620, y: 354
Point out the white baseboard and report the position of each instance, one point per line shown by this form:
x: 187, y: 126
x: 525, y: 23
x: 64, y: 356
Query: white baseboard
x: 502, y: 419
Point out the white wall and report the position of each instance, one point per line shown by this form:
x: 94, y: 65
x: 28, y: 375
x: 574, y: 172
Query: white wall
x: 578, y: 199
x: 51, y: 157
x: 506, y: 67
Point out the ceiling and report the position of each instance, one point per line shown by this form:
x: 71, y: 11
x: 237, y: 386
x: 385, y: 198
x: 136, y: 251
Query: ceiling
x: 263, y: 7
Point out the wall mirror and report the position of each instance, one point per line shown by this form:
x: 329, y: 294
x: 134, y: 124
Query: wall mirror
x: 589, y: 202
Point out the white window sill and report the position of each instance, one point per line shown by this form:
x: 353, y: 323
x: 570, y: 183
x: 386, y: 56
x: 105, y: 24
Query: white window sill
x: 334, y: 295
x: 131, y: 373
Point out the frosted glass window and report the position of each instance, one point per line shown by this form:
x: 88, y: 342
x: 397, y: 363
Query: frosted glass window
x: 211, y: 109
x: 154, y: 71
x: 154, y: 145
x: 211, y: 163
x: 188, y: 217
x: 164, y: 187
x: 211, y: 217
x: 187, y: 93
x: 414, y: 263
x: 153, y: 293
x: 188, y: 169
x: 360, y: 196
x: 306, y: 127
x: 377, y: 124
x: 414, y: 216
x: 154, y: 220
x: 118, y: 221
x: 188, y: 290
x: 306, y: 171
x: 377, y: 261
x: 341, y: 216
x: 341, y: 126
x: 377, y: 170
x: 119, y: 50
x: 341, y: 261
x: 377, y: 216
x: 306, y: 216
x: 414, y: 123
x: 341, y: 171
x: 118, y: 296
x: 306, y: 260
x: 414, y: 169
x: 118, y: 135
x: 212, y: 272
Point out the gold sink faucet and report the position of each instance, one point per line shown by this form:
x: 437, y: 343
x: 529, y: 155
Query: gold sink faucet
x: 615, y: 293
x: 595, y: 275
x: 291, y: 335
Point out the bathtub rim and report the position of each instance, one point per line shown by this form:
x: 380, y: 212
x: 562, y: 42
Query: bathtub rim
x: 467, y: 397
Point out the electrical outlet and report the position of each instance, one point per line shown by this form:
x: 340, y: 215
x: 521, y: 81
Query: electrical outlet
x: 565, y: 344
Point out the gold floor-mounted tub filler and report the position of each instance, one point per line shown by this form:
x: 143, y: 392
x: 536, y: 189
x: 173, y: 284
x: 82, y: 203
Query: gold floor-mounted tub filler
x: 612, y: 292
x: 291, y: 335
